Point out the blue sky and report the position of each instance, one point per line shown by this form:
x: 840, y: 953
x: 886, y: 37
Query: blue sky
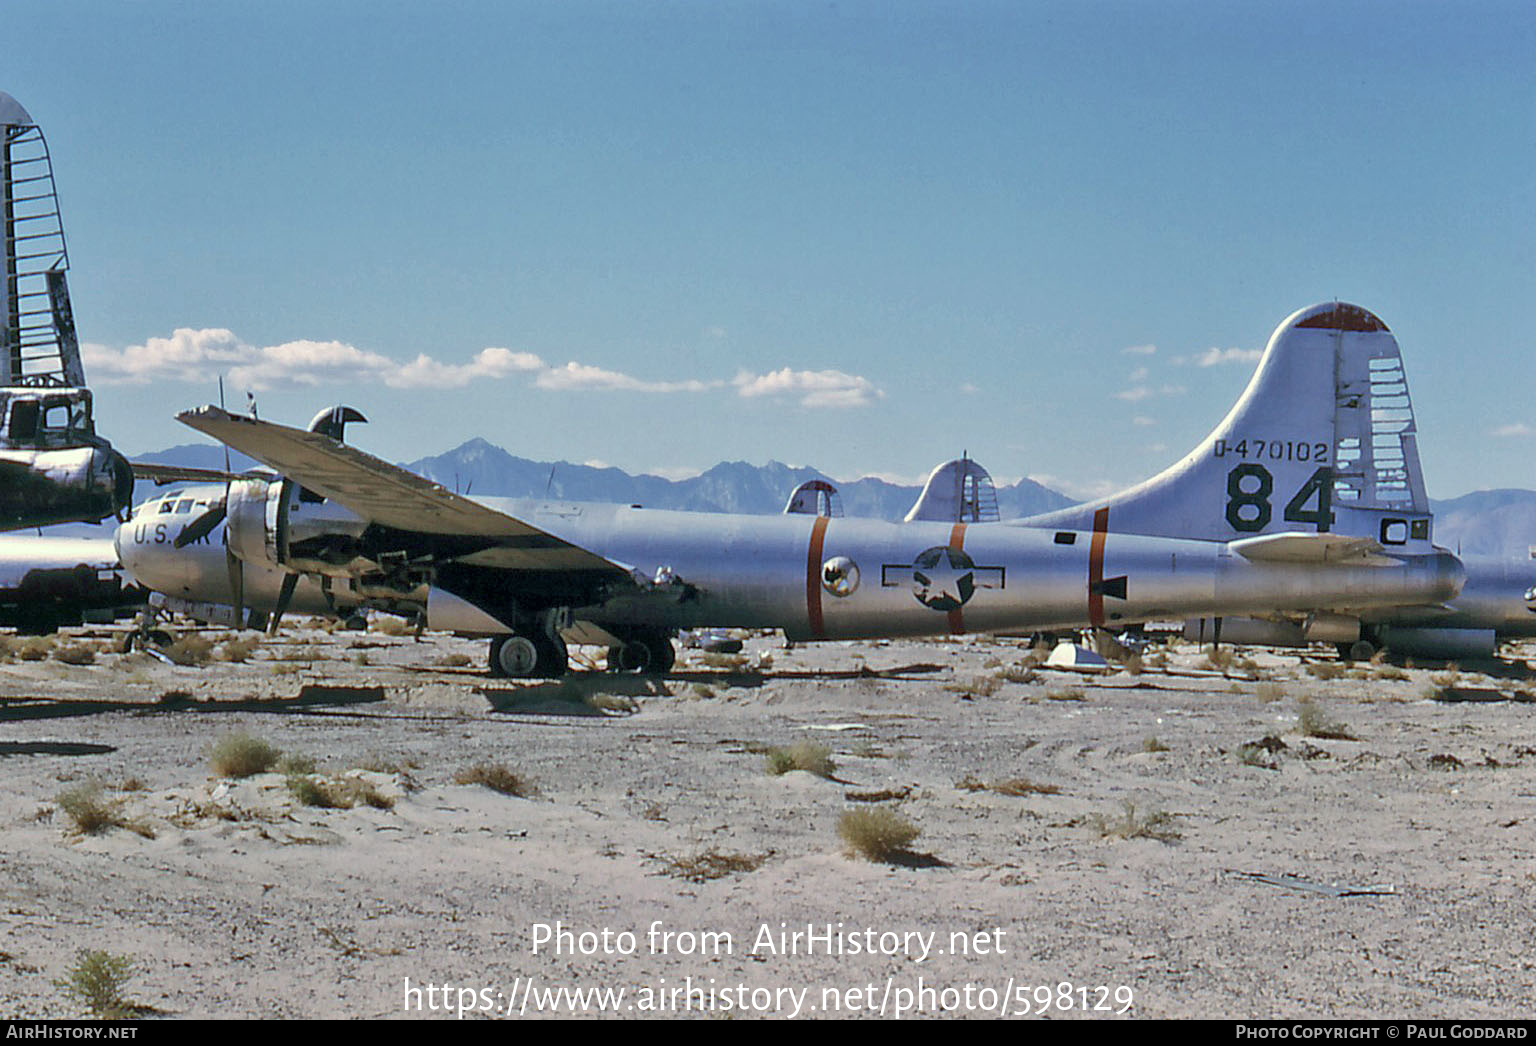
x: 860, y: 236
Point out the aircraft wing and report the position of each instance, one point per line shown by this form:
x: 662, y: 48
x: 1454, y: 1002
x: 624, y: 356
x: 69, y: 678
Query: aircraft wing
x: 395, y: 497
x: 163, y: 474
x: 1298, y: 547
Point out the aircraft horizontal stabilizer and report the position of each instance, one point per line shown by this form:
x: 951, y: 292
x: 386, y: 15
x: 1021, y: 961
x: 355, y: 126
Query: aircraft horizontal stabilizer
x: 1293, y: 547
x: 391, y: 496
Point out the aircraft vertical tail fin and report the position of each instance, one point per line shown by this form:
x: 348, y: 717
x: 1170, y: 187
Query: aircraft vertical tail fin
x: 38, y: 346
x: 1323, y: 440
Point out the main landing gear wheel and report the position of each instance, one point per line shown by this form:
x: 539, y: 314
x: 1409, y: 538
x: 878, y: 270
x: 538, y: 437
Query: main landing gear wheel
x: 1359, y: 650
x: 521, y: 657
x: 514, y: 656
x: 650, y: 655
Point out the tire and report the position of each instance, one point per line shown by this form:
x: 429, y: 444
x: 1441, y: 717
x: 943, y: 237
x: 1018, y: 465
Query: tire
x: 514, y: 657
x: 660, y: 656
x: 1359, y: 650
x: 554, y: 658
x: 650, y: 654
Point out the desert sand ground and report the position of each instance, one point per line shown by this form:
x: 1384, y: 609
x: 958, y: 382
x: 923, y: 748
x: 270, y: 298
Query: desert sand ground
x: 232, y: 899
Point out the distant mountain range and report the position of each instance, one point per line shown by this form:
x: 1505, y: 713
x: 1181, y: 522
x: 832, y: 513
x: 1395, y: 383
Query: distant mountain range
x: 478, y: 467
x: 1487, y: 522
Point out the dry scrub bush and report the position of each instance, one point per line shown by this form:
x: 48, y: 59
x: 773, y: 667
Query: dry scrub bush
x: 241, y: 755
x: 91, y: 813
x: 1155, y: 825
x: 86, y: 808
x: 876, y: 833
x: 37, y: 648
x: 1269, y: 692
x: 1312, y: 721
x: 1020, y: 673
x: 390, y: 625
x: 96, y: 981
x: 802, y: 755
x: 190, y: 651
x: 1015, y: 786
x: 712, y: 864
x: 238, y: 651
x: 1219, y: 659
x: 976, y: 686
x: 497, y: 778
x: 616, y: 703
x: 327, y: 794
x: 76, y: 654
x: 295, y: 763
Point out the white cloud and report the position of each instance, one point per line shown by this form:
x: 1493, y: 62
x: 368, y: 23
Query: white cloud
x: 584, y: 376
x: 1143, y: 420
x: 199, y: 356
x: 1139, y: 350
x: 899, y: 479
x: 1518, y: 429
x: 1214, y: 357
x: 1143, y: 392
x: 309, y: 363
x: 187, y: 355
x: 674, y: 472
x: 426, y: 372
x: 814, y: 388
x: 1079, y: 487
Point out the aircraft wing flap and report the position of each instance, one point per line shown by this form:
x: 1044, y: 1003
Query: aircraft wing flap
x: 392, y: 496
x: 1297, y: 547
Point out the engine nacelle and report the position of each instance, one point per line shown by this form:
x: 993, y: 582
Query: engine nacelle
x: 252, y: 512
x: 1450, y: 644
x: 270, y: 523
x: 1248, y: 631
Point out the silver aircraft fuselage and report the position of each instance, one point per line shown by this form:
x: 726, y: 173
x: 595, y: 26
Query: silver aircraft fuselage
x: 821, y: 578
x: 46, y: 582
x: 926, y: 578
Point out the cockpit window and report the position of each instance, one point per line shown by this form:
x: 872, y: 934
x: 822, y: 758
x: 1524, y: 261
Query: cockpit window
x: 168, y: 505
x: 24, y: 417
x: 184, y: 505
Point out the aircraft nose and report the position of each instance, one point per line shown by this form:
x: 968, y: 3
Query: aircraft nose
x: 139, y: 558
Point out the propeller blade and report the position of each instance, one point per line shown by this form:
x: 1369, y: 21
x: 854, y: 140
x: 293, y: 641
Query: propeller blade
x: 200, y: 527
x: 284, y: 597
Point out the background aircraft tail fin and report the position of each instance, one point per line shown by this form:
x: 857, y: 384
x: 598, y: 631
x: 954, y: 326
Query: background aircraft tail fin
x: 38, y: 345
x: 1322, y: 441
